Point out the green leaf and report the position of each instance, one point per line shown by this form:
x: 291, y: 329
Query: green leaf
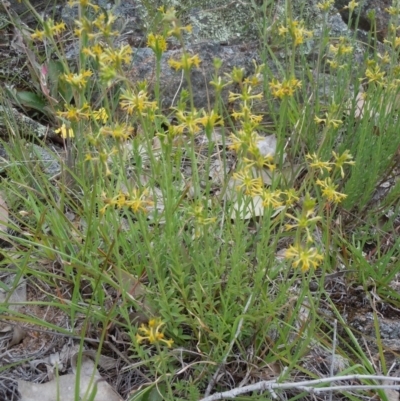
x: 157, y: 393
x: 31, y: 100
x: 58, y: 87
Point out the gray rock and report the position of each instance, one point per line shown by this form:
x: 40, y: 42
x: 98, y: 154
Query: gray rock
x: 365, y: 9
x: 172, y: 82
x: 25, y: 12
x: 14, y: 122
x: 48, y: 161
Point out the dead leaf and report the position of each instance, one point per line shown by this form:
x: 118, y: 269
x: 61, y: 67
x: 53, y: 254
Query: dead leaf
x: 362, y: 106
x: 267, y: 145
x: 360, y: 103
x: 217, y: 172
x: 19, y: 333
x: 63, y: 387
x: 3, y: 217
x: 15, y: 292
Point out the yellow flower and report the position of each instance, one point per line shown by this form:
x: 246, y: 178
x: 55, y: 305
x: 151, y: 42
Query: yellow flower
x: 101, y: 114
x: 65, y: 132
x: 374, y: 74
x: 38, y: 34
x: 152, y: 333
x: 303, y: 223
x: 283, y: 89
x: 319, y: 120
x: 304, y: 257
x: 395, y: 11
x: 300, y: 34
x: 89, y: 157
x: 116, y: 57
x: 138, y: 201
x: 74, y: 114
x: 330, y: 122
x: 257, y: 77
x: 243, y: 140
x: 250, y: 185
x: 282, y: 30
x: 185, y: 63
x: 341, y: 160
x: 136, y: 102
x: 259, y: 160
x: 291, y: 196
x: 245, y: 115
x: 177, y: 29
x: 189, y: 121
x: 333, y: 63
x: 316, y: 163
x: 325, y: 5
x: 78, y: 80
x: 296, y: 30
x: 105, y: 23
x: 58, y: 28
x: 238, y: 142
x: 342, y: 48
x: 219, y: 84
x: 200, y: 221
x: 210, y: 120
x: 157, y: 43
x: 83, y: 25
x: 245, y: 96
x: 270, y: 198
x: 329, y: 191
x: 352, y: 5
x: 49, y: 30
x: 118, y: 131
x: 237, y: 74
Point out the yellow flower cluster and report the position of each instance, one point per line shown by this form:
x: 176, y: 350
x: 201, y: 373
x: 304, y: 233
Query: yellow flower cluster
x: 120, y: 132
x: 245, y: 96
x: 157, y: 43
x: 284, y: 89
x: 328, y: 121
x: 65, y: 132
x: 394, y: 11
x: 100, y: 27
x: 326, y: 5
x: 245, y: 142
x: 152, y: 333
x: 198, y: 213
x: 327, y: 186
x: 80, y: 80
x: 304, y: 254
x: 192, y: 122
x: 137, y: 201
x: 373, y: 73
x: 185, y: 63
x: 115, y: 58
x: 329, y: 191
x: 75, y: 114
x: 137, y: 102
x: 304, y: 257
x: 295, y: 30
x: 339, y: 50
x: 352, y: 5
x: 50, y: 29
